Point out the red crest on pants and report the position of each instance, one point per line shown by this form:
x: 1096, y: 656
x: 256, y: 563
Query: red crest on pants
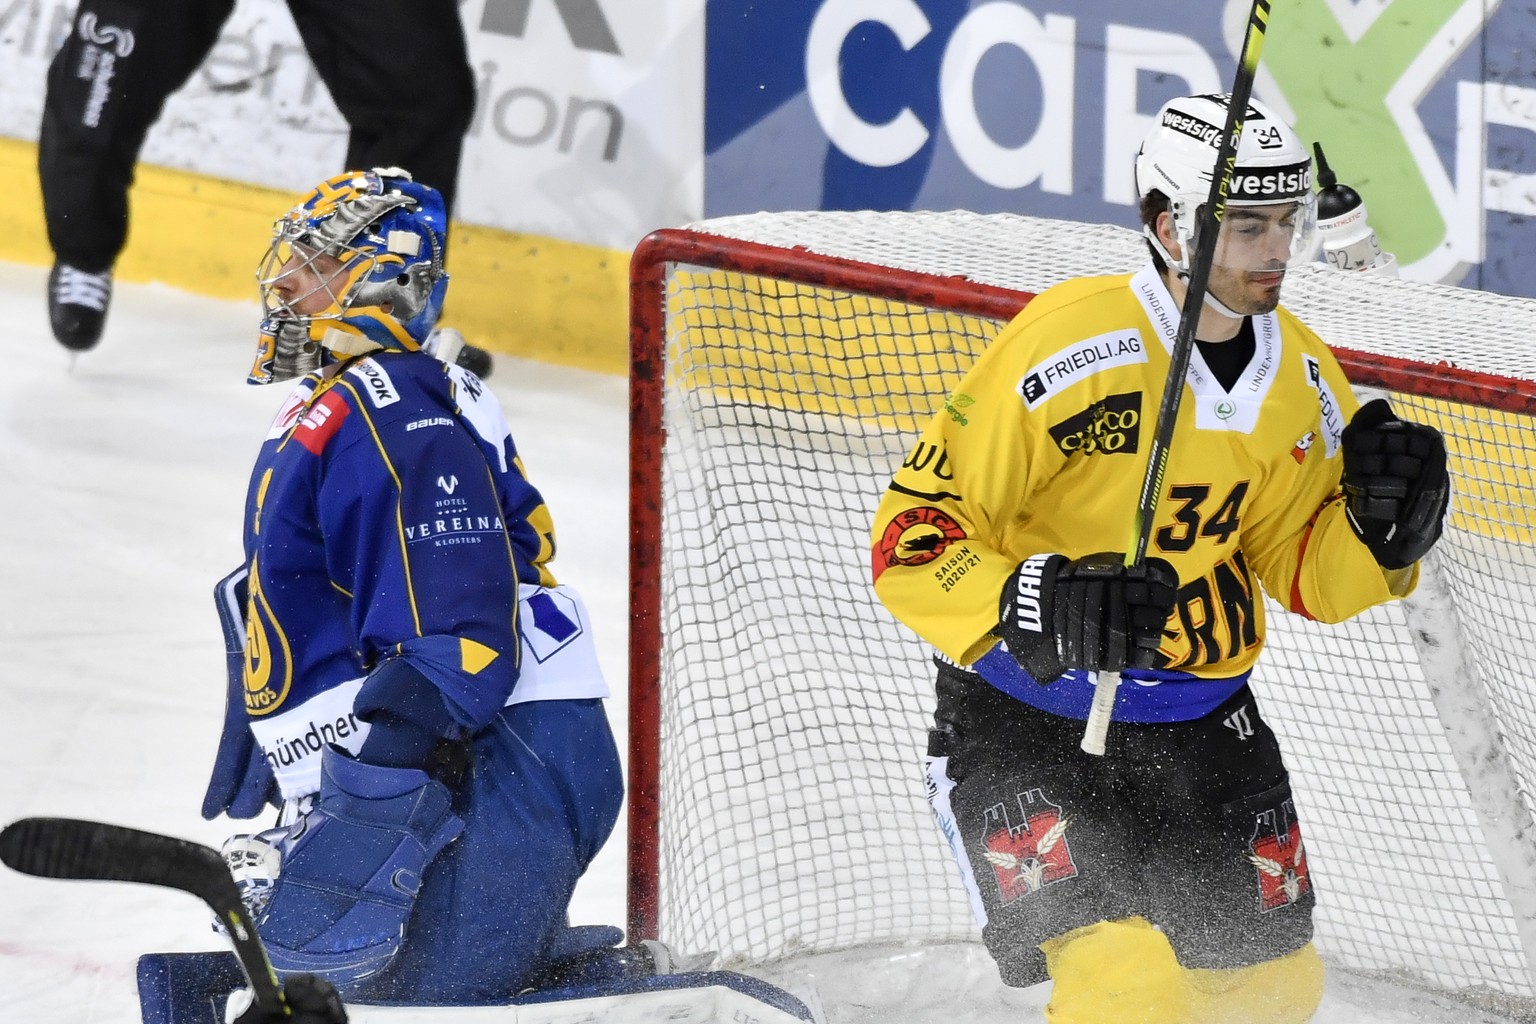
x: 1279, y: 858
x: 1030, y: 851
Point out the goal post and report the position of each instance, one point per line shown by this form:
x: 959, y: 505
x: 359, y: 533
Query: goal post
x: 651, y: 269
x: 781, y: 368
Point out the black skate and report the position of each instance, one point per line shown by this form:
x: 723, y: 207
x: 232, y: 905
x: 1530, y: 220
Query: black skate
x: 77, y: 305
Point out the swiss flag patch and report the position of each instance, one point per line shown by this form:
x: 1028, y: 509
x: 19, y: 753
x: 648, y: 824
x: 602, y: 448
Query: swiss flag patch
x: 321, y: 422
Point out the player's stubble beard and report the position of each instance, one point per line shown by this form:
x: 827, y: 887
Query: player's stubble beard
x: 1250, y: 293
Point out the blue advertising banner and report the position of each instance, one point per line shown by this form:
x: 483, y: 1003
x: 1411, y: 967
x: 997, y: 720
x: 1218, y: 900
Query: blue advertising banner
x: 1427, y: 107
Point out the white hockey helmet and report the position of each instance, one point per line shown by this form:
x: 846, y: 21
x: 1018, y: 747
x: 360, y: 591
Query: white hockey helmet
x: 1273, y: 167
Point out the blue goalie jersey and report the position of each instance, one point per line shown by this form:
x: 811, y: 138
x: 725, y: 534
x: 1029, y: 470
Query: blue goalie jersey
x: 388, y: 516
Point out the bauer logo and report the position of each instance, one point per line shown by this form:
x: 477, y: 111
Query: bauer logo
x: 916, y: 536
x: 1078, y: 362
x: 1110, y: 427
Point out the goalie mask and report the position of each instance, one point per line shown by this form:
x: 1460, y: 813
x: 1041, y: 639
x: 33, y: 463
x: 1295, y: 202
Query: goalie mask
x: 1273, y: 169
x: 356, y: 266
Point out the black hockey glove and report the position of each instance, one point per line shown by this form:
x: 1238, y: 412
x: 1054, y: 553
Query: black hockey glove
x: 311, y: 1000
x: 1395, y: 484
x: 1092, y: 613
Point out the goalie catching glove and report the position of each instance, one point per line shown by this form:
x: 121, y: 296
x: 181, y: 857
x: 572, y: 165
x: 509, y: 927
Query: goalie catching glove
x: 1093, y: 612
x: 1396, y: 486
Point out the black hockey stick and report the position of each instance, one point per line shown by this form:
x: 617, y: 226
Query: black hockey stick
x: 70, y: 848
x: 1097, y: 727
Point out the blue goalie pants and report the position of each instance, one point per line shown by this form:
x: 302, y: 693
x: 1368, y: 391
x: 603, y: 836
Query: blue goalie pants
x: 541, y: 797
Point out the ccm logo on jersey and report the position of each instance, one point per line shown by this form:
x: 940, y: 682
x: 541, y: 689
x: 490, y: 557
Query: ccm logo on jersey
x: 377, y: 383
x: 1080, y: 361
x: 1110, y: 427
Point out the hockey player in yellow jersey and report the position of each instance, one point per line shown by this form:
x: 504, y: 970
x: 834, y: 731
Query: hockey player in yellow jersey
x: 1165, y: 882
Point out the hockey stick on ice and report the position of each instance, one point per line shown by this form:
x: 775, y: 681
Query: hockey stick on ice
x: 70, y: 848
x: 1107, y: 683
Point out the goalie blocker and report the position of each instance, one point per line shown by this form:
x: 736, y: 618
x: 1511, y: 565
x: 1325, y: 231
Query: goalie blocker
x: 196, y: 988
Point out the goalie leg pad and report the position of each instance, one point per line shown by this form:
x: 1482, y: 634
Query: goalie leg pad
x: 187, y: 988
x: 352, y: 869
x: 1122, y: 971
x: 193, y: 988
x: 1286, y: 990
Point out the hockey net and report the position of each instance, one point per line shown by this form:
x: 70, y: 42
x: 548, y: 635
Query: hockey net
x: 782, y: 365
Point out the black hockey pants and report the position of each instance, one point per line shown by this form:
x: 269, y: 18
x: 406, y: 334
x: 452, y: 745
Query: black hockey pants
x: 398, y: 70
x: 1190, y: 825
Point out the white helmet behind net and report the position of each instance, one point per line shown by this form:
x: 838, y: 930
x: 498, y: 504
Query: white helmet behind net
x: 1178, y: 157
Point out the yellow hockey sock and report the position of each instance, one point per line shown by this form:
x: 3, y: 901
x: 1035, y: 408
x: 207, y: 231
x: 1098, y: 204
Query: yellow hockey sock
x: 1122, y: 971
x: 1285, y: 990
x: 1125, y: 971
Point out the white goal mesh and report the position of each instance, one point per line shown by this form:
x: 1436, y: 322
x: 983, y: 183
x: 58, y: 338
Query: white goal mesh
x: 777, y: 800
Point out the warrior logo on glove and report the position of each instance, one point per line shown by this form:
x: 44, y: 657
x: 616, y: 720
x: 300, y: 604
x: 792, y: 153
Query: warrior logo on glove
x: 1093, y: 613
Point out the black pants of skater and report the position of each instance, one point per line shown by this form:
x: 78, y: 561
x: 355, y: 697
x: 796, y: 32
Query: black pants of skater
x: 398, y: 70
